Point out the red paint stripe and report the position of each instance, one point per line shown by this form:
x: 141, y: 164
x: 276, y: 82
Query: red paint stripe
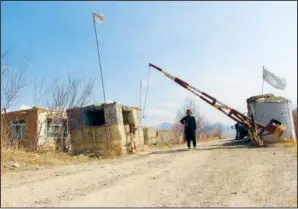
x: 210, y: 97
x: 207, y: 95
x: 154, y: 66
x: 181, y: 82
x: 206, y: 100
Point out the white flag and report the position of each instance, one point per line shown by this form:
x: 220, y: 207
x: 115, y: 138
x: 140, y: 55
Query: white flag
x: 99, y: 18
x: 274, y: 80
x: 143, y: 83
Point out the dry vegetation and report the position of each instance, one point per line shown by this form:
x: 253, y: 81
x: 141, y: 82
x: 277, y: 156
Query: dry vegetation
x: 28, y: 160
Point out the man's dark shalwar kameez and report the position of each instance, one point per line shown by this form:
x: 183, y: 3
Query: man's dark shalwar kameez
x: 190, y: 128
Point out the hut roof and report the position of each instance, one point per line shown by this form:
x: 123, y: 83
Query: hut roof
x: 267, y: 98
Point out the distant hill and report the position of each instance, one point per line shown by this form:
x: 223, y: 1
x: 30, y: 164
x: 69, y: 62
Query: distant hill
x: 164, y: 126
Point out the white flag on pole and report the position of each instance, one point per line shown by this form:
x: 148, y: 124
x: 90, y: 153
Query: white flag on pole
x: 143, y: 83
x: 99, y: 18
x: 274, y: 80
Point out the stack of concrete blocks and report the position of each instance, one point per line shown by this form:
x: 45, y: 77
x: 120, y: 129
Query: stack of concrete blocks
x: 139, y: 129
x: 153, y: 137
x: 149, y: 136
x: 133, y: 137
x: 113, y: 115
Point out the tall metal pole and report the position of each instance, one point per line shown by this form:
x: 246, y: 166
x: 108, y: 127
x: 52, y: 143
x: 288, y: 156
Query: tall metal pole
x: 263, y: 87
x: 99, y: 61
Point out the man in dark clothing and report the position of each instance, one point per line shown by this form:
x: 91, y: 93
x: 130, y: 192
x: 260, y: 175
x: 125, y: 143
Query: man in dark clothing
x: 241, y: 131
x: 190, y: 128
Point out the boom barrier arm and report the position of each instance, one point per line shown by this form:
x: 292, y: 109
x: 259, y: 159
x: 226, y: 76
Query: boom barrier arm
x: 253, y: 126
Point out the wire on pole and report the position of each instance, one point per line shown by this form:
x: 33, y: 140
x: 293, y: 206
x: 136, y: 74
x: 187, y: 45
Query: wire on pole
x: 99, y: 60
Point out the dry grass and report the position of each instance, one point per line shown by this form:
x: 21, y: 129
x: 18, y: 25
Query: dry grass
x: 171, y: 145
x: 287, y: 141
x: 291, y: 144
x: 28, y: 160
x: 207, y: 139
x: 166, y: 146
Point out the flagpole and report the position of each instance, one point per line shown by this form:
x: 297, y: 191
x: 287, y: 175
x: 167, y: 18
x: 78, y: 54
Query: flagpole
x: 99, y: 60
x: 263, y: 81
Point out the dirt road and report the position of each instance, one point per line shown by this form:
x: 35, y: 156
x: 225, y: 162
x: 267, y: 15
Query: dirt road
x: 214, y: 175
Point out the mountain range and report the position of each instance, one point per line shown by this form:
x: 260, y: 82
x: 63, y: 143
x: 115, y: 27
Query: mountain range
x: 164, y: 126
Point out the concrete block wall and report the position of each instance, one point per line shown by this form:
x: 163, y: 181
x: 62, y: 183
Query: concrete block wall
x: 164, y: 136
x: 76, y: 119
x: 149, y: 136
x: 152, y: 136
x: 139, y: 132
x: 118, y: 109
x: 113, y: 114
x: 99, y: 140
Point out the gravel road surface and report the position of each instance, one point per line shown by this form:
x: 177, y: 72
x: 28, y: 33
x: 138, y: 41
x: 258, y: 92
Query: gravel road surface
x: 219, y: 173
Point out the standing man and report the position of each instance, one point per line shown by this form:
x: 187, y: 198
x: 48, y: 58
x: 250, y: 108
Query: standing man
x: 190, y: 128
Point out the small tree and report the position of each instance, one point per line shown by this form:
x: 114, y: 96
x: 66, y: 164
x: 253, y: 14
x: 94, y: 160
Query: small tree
x: 205, y: 130
x: 58, y: 97
x: 13, y: 80
x: 217, y: 131
x: 201, y: 122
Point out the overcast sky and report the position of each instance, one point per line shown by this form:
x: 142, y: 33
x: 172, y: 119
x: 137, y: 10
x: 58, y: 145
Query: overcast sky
x: 219, y: 47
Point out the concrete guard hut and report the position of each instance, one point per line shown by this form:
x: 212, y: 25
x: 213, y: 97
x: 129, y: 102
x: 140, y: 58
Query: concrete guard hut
x: 108, y: 129
x: 267, y: 107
